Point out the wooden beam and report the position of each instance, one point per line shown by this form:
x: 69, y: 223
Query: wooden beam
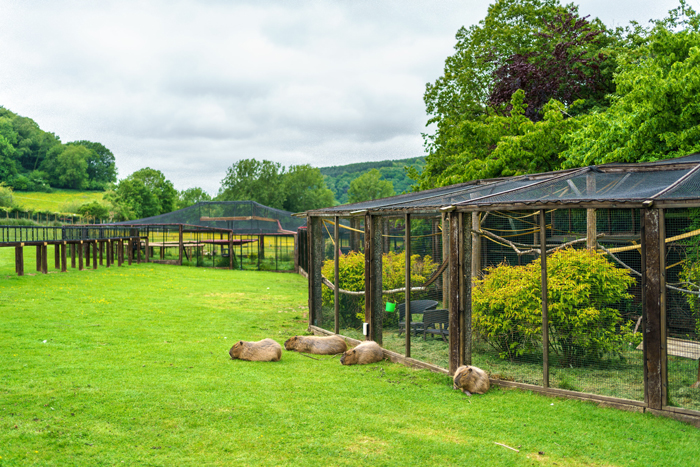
x: 102, y: 252
x: 651, y: 286
x: 94, y: 254
x: 545, y: 305
x: 368, y: 275
x: 180, y: 245
x: 44, y: 259
x: 38, y: 258
x: 108, y: 255
x: 79, y: 247
x: 377, y: 323
x: 466, y: 275
x: 72, y: 255
x: 120, y: 252
x: 315, y: 265
x: 57, y: 255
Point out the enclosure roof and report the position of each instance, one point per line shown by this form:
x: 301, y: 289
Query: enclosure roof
x: 243, y: 217
x: 666, y: 183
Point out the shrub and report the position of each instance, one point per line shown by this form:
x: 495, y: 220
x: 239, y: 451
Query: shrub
x: 6, y: 196
x: 583, y: 324
x: 352, y: 277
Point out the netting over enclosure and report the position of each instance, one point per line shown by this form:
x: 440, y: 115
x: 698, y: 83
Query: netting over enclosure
x: 242, y: 217
x: 584, y: 281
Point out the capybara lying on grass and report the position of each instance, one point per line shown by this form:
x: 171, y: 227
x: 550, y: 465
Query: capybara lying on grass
x: 266, y: 350
x: 366, y: 352
x: 327, y: 345
x: 471, y: 380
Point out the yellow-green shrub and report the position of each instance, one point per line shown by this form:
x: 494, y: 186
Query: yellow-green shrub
x: 582, y: 289
x: 352, y: 277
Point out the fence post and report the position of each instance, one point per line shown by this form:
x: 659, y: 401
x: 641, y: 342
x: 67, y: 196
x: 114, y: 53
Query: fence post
x: 19, y: 259
x: 654, y: 313
x: 38, y: 258
x: 545, y: 304
x: 148, y: 253
x: 64, y: 261
x: 44, y: 259
x: 455, y: 298
x: 377, y: 314
x: 80, y: 256
x: 120, y: 252
x: 57, y: 256
x: 72, y: 255
x: 94, y: 254
x: 407, y: 283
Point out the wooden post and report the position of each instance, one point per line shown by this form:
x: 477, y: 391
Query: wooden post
x: 130, y: 251
x: 591, y: 228
x: 336, y: 274
x: 315, y: 263
x: 545, y: 305
x: 654, y: 314
x: 138, y: 248
x: 476, y: 247
x: 38, y: 258
x: 64, y: 261
x: 80, y: 255
x: 261, y: 247
x: 407, y: 282
x: 373, y: 277
x: 94, y: 254
x: 465, y: 288
x: 102, y: 252
x: 148, y: 253
x: 454, y: 299
x: 445, y: 255
x: 44, y: 259
x: 108, y: 257
x: 296, y: 254
x: 120, y: 252
x: 72, y: 255
x: 57, y: 256
x: 230, y: 251
x: 180, y: 245
x: 385, y: 236
x: 19, y: 259
x: 87, y: 253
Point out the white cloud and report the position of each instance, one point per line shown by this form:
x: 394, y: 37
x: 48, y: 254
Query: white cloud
x: 190, y: 87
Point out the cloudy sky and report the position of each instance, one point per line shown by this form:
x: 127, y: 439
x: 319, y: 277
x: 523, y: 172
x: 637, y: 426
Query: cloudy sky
x: 189, y: 87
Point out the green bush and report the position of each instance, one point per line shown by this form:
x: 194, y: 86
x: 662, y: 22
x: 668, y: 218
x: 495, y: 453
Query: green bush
x: 582, y: 289
x: 6, y: 196
x: 352, y: 277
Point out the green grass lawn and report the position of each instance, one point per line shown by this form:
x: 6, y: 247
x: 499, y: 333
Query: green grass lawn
x: 130, y: 366
x: 58, y: 201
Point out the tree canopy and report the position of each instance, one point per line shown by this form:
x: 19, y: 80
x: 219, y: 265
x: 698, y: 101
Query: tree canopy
x: 144, y: 193
x: 299, y: 189
x: 369, y: 186
x: 537, y: 87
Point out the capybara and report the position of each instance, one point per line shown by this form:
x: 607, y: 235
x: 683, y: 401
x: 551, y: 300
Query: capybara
x: 471, y: 380
x: 327, y: 345
x: 266, y: 350
x: 366, y: 352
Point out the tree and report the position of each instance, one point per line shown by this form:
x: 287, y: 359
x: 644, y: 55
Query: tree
x: 101, y: 164
x: 369, y: 186
x: 191, y: 196
x: 253, y: 180
x: 655, y: 113
x: 537, y: 47
x: 305, y: 189
x: 67, y: 166
x: 144, y: 193
x: 93, y: 211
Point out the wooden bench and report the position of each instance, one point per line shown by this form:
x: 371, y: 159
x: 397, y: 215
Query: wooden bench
x: 682, y: 348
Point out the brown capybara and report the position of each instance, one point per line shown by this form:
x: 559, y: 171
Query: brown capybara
x: 266, y: 350
x: 327, y: 345
x: 366, y: 352
x: 471, y: 380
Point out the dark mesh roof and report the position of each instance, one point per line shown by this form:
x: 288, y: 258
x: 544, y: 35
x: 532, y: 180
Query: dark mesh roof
x: 667, y: 180
x: 243, y: 217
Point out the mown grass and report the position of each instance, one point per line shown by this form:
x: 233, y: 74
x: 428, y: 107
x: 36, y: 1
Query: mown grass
x: 58, y: 201
x: 130, y: 366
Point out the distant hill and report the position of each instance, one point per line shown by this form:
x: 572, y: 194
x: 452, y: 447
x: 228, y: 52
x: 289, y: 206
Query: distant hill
x: 338, y: 177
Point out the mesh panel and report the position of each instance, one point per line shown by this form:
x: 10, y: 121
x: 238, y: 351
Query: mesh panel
x: 593, y: 186
x: 683, y: 308
x: 689, y: 188
x: 243, y: 217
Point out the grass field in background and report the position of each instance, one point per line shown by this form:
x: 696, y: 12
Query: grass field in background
x: 130, y: 366
x: 56, y: 201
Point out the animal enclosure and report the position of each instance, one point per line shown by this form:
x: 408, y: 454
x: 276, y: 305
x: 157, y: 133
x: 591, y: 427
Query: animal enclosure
x: 609, y: 312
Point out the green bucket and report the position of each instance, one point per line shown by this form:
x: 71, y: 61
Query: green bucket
x: 390, y: 307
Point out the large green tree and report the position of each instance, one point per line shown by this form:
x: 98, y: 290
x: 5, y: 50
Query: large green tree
x: 101, y: 168
x: 655, y: 112
x: 369, y: 186
x: 305, y: 189
x: 144, y: 193
x: 254, y: 180
x: 191, y: 196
